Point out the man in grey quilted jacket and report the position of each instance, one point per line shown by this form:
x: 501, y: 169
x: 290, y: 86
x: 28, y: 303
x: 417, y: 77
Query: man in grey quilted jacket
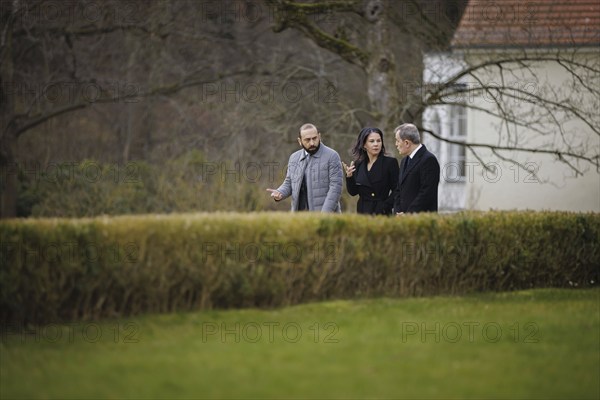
x: 314, y: 175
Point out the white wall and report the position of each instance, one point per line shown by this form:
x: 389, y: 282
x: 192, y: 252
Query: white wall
x: 556, y: 187
x: 509, y: 187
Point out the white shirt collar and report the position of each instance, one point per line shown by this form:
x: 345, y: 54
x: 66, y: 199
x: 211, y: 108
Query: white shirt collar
x: 415, y: 151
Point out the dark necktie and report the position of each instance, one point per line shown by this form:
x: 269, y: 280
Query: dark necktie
x: 406, y: 164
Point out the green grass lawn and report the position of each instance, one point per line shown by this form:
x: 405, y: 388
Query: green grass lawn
x: 537, y: 344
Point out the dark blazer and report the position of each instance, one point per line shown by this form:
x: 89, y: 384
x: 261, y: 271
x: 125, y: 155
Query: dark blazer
x: 375, y: 189
x: 417, y: 189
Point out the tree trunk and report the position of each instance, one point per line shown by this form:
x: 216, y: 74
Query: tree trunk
x: 381, y: 83
x: 9, y: 180
x: 8, y: 139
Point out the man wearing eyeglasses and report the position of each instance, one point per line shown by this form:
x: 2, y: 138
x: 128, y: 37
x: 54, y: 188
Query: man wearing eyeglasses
x: 417, y: 189
x: 314, y: 175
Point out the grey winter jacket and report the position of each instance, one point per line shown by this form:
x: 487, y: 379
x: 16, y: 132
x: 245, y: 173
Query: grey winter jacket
x: 323, y: 179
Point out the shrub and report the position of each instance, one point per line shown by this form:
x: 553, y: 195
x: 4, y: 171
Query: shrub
x: 184, y: 184
x: 68, y: 269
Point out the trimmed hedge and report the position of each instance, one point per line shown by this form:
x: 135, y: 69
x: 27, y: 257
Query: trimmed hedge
x: 68, y: 269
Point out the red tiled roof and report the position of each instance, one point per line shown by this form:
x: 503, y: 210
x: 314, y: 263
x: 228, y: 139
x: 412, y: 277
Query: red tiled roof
x: 513, y: 23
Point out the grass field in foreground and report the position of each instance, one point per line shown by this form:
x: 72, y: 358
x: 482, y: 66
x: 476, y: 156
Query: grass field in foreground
x: 537, y: 344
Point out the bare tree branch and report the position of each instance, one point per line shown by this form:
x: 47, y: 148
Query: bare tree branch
x: 23, y: 123
x: 595, y: 160
x: 295, y: 15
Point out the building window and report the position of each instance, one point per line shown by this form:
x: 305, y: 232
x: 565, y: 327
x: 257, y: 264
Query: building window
x: 458, y: 132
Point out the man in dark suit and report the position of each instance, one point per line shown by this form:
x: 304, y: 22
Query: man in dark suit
x: 417, y: 189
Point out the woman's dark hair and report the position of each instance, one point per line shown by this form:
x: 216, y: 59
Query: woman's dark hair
x: 358, y: 150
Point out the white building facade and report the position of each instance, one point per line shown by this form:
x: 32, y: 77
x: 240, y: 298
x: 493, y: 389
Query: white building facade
x: 485, y: 178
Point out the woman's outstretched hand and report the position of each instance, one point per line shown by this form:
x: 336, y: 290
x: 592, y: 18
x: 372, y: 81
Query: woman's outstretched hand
x: 349, y: 169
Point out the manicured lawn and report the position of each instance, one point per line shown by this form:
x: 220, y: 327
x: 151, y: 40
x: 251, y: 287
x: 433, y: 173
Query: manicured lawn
x: 537, y: 344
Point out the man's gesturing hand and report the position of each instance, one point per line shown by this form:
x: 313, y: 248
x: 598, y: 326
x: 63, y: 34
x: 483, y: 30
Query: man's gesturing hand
x: 275, y: 194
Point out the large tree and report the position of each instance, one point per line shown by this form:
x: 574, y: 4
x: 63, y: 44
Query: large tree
x: 395, y: 95
x: 114, y: 72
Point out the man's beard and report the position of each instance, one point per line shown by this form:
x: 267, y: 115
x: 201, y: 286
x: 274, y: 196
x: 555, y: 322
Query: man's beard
x: 312, y: 150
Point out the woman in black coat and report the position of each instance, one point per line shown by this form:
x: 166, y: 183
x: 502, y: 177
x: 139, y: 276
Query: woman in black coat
x: 372, y: 175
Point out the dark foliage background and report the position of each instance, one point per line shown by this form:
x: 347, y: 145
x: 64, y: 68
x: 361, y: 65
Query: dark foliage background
x: 132, y: 106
